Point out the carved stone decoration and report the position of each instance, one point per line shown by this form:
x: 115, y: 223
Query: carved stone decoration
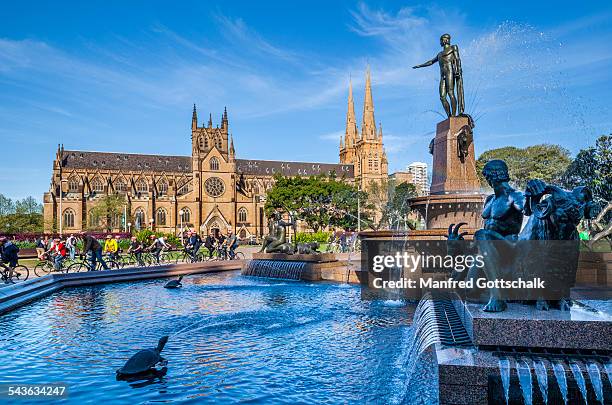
x: 214, y: 187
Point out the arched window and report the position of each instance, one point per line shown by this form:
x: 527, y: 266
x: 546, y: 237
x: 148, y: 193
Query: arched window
x: 141, y: 186
x: 73, y: 185
x: 69, y: 218
x: 214, y: 163
x: 161, y: 217
x: 162, y: 187
x: 242, y: 215
x: 139, y: 219
x: 94, y: 219
x: 185, y: 215
x: 97, y: 186
x: 120, y: 185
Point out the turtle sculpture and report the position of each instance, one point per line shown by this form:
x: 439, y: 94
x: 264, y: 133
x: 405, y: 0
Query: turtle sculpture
x: 144, y: 361
x: 174, y: 283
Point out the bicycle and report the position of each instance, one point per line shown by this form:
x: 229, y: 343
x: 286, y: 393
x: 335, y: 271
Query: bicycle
x: 47, y: 265
x: 9, y: 274
x: 186, y: 256
x: 85, y: 265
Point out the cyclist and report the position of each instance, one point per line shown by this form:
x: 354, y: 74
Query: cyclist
x: 193, y: 244
x: 9, y: 253
x: 71, y: 245
x: 111, y: 247
x: 91, y: 245
x: 157, y: 246
x: 58, y: 251
x: 209, y: 243
x: 232, y: 243
x: 220, y: 245
x: 136, y: 248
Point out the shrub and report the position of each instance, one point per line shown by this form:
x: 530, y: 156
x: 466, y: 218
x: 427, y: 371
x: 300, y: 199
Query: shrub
x: 307, y: 237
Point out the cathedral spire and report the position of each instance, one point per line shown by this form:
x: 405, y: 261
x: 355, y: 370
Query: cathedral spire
x: 232, y: 151
x: 210, y: 121
x: 368, y: 127
x: 350, y: 133
x: 224, y: 121
x: 194, y: 118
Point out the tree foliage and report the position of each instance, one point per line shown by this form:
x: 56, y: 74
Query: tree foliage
x: 20, y: 216
x: 592, y: 167
x: 107, y: 212
x: 320, y: 201
x: 390, y: 203
x: 545, y: 162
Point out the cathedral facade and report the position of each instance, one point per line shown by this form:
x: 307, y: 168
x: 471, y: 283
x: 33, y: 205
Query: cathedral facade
x: 364, y: 150
x: 207, y: 191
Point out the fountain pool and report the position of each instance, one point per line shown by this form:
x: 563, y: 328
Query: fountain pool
x: 232, y: 338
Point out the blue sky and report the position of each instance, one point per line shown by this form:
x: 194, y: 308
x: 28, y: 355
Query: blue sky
x: 122, y: 76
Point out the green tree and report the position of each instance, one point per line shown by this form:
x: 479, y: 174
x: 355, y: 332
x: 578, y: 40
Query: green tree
x: 592, y: 167
x: 28, y: 205
x: 318, y: 200
x: 6, y: 205
x: 389, y: 202
x: 107, y: 212
x: 545, y: 162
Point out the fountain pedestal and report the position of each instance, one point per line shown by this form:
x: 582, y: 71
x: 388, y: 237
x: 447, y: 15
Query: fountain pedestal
x: 310, y: 267
x: 574, y: 339
x: 455, y: 188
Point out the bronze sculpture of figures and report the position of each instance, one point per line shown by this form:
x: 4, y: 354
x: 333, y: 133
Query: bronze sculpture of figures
x: 276, y: 241
x: 546, y: 247
x: 451, y: 77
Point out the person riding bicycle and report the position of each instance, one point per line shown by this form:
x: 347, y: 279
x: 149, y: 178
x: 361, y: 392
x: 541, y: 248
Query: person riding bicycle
x: 111, y: 247
x: 91, y: 245
x: 209, y: 243
x: 231, y: 243
x: 9, y: 253
x: 193, y: 244
x: 136, y: 248
x: 157, y: 246
x: 58, y: 251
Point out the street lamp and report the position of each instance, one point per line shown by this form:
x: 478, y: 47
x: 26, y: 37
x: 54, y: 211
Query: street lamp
x: 129, y: 225
x: 151, y: 222
x: 181, y: 212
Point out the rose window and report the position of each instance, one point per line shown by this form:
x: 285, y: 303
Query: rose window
x: 214, y: 186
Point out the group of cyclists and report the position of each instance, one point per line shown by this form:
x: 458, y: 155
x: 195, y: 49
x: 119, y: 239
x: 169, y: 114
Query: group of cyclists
x: 224, y: 246
x: 56, y: 251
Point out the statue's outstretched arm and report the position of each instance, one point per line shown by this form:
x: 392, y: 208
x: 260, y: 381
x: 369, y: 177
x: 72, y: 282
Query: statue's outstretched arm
x: 428, y: 63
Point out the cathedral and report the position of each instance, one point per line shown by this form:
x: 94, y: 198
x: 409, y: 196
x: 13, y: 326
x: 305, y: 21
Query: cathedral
x: 210, y: 190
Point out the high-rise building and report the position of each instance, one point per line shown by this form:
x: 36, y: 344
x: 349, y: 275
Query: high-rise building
x: 419, y: 176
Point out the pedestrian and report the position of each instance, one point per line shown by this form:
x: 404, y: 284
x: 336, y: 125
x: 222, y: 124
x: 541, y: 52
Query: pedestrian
x: 41, y: 248
x: 71, y: 245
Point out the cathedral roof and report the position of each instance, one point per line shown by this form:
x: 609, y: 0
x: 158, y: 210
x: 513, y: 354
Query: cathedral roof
x: 76, y: 159
x: 272, y: 167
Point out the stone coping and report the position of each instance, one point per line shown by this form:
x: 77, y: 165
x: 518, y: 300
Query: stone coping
x: 315, y: 258
x: 524, y: 326
x: 17, y: 295
x: 476, y: 197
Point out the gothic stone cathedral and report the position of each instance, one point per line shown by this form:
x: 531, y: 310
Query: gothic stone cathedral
x: 209, y: 190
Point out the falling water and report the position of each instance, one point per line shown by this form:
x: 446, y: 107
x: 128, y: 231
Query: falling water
x: 596, y: 383
x: 579, y: 377
x: 504, y: 373
x: 559, y: 371
x: 524, y: 375
x: 291, y: 270
x: 542, y: 377
x: 608, y: 368
x: 426, y: 333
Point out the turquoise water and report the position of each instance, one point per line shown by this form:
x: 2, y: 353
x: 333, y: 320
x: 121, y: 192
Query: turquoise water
x: 239, y: 339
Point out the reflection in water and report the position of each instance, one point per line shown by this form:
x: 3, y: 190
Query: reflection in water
x: 231, y: 338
